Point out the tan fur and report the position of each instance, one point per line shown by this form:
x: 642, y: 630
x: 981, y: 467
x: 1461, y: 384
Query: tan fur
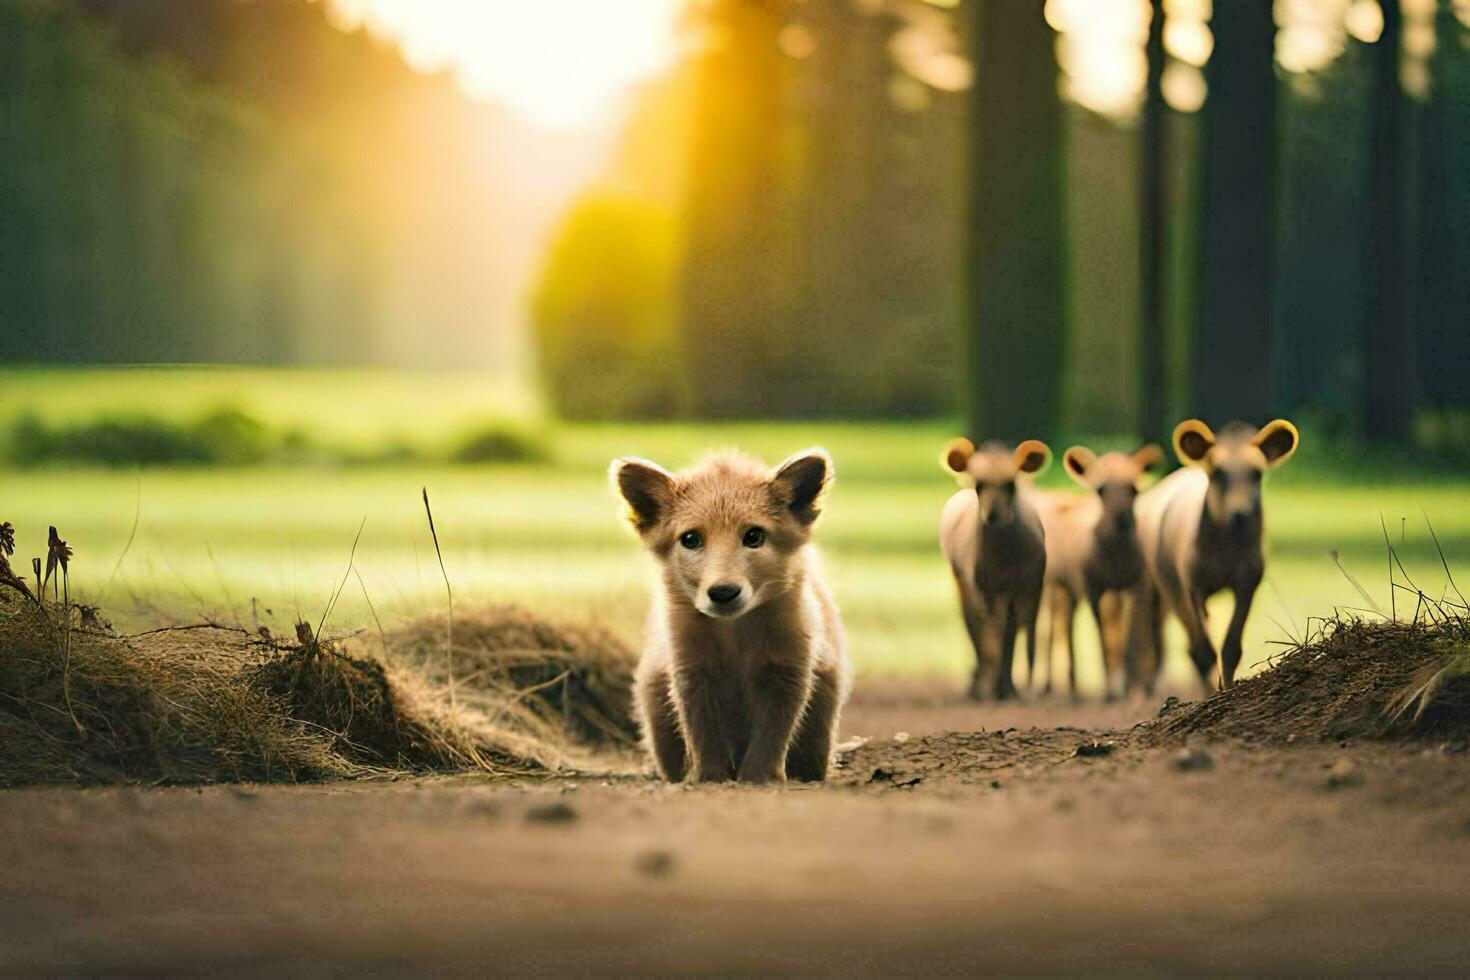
x: 1093, y: 555
x: 1201, y: 529
x: 748, y: 688
x: 993, y: 539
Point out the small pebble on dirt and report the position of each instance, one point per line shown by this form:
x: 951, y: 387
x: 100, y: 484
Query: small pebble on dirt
x: 1193, y: 760
x: 484, y: 808
x: 655, y: 863
x: 900, y: 737
x: 551, y: 813
x: 1094, y: 749
x: 1343, y: 774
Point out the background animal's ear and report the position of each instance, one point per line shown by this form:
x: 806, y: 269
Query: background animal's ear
x: 957, y: 455
x: 1277, y: 440
x: 1032, y: 456
x: 1077, y: 461
x: 801, y: 482
x: 1193, y: 441
x: 647, y: 488
x: 1149, y: 456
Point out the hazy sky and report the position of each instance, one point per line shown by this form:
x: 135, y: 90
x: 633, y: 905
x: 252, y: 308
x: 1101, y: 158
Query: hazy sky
x: 558, y: 63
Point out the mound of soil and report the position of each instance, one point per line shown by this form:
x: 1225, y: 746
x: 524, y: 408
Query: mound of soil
x: 575, y: 679
x: 1356, y: 679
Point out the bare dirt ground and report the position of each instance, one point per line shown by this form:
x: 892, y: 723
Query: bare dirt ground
x: 1003, y: 849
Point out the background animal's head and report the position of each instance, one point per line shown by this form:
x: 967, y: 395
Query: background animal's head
x: 994, y: 470
x: 1235, y: 460
x: 727, y: 530
x: 1115, y: 477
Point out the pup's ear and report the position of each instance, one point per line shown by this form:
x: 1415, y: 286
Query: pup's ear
x: 956, y: 456
x: 1277, y: 441
x: 801, y: 482
x: 1077, y: 461
x: 1193, y: 441
x: 1149, y: 456
x: 647, y: 488
x: 1032, y: 456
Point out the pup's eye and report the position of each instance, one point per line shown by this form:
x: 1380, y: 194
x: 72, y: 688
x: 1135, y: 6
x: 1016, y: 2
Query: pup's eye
x: 1256, y: 476
x: 691, y: 540
x: 754, y: 538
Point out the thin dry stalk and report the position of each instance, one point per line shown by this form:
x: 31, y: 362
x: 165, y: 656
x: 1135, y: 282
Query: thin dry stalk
x: 449, y: 595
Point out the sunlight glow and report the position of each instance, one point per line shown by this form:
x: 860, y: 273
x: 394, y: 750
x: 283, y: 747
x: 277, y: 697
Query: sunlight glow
x: 1100, y: 47
x: 559, y: 63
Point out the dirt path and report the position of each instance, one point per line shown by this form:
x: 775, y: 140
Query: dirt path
x: 995, y: 852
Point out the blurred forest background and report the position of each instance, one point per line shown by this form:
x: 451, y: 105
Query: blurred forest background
x: 1082, y: 216
x: 270, y: 267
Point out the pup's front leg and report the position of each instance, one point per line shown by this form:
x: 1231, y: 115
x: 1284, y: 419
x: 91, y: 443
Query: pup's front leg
x: 779, y: 693
x: 711, y: 760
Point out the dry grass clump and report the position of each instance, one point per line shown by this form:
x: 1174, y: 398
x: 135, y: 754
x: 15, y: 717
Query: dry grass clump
x: 81, y: 703
x: 520, y: 669
x: 374, y: 719
x: 1353, y: 679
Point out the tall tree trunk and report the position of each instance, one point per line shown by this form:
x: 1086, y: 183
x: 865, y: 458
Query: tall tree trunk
x: 1442, y: 332
x: 1389, y: 383
x: 1016, y: 269
x: 1153, y: 220
x: 1232, y: 350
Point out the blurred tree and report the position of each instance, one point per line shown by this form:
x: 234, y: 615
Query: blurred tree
x: 1233, y: 349
x: 738, y: 247
x: 1444, y: 275
x: 1153, y: 378
x: 1016, y: 270
x: 1318, y: 295
x: 604, y: 311
x: 214, y: 180
x: 1389, y: 382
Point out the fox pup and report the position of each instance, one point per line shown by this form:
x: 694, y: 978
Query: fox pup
x: 744, y: 667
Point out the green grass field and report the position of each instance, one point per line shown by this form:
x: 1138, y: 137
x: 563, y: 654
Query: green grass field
x: 220, y: 542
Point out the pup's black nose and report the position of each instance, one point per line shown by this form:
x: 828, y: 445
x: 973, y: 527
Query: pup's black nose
x: 724, y: 593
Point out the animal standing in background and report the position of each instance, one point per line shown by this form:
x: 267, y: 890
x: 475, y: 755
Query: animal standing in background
x: 1093, y: 554
x: 992, y: 536
x: 744, y: 668
x: 1201, y: 530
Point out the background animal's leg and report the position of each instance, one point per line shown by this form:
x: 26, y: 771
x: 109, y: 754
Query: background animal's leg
x: 1006, y: 686
x: 1196, y: 626
x: 1141, y: 659
x: 1047, y: 641
x: 1230, y: 650
x: 1111, y: 611
x: 975, y: 626
x: 699, y: 719
x: 1126, y: 608
x: 661, y: 725
x: 1063, y: 614
x: 989, y: 650
x: 779, y: 692
x: 811, y: 749
x: 1029, y: 613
